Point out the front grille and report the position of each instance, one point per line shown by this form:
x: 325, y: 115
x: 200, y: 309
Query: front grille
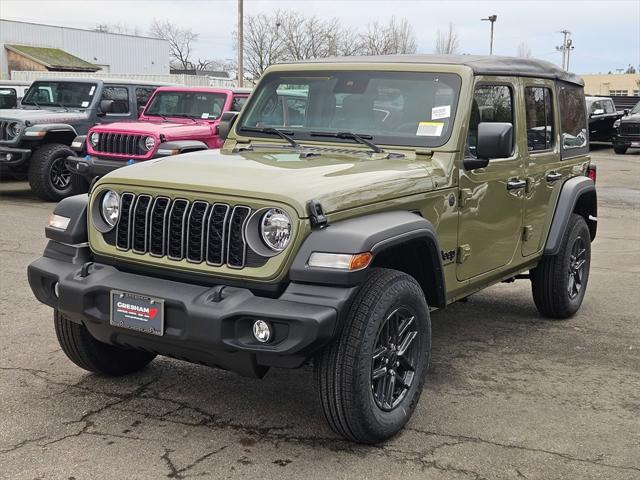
x: 120, y: 143
x: 630, y: 128
x: 177, y: 229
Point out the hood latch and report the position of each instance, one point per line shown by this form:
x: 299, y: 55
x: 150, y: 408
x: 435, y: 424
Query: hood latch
x: 316, y: 216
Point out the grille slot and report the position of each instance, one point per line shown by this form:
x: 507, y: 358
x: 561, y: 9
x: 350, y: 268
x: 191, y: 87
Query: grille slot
x: 178, y: 229
x: 4, y: 136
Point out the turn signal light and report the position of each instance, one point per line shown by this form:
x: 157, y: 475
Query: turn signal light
x: 340, y: 261
x: 592, y: 173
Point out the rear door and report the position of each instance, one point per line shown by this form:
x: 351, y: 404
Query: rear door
x: 490, y: 207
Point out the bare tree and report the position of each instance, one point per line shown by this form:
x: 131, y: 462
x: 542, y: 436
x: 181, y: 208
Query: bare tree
x: 180, y: 40
x: 395, y: 37
x: 263, y: 43
x: 448, y: 42
x: 524, y: 51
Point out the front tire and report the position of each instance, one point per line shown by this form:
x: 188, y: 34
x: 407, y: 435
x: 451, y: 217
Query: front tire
x: 48, y: 175
x: 97, y: 357
x: 620, y: 150
x: 559, y: 282
x: 370, y: 379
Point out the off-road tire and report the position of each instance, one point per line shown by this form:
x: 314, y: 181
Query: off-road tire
x: 343, y: 372
x: 94, y: 356
x: 40, y: 165
x: 550, y: 280
x: 620, y: 150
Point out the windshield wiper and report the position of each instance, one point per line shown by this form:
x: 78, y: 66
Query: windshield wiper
x: 62, y: 106
x: 274, y: 131
x: 363, y: 139
x: 184, y: 115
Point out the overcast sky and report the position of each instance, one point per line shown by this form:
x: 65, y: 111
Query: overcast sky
x: 605, y: 33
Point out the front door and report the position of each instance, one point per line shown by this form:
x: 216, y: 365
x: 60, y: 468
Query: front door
x: 491, y: 198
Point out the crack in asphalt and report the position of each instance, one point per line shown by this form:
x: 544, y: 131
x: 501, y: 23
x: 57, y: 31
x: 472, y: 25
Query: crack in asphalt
x: 177, y: 473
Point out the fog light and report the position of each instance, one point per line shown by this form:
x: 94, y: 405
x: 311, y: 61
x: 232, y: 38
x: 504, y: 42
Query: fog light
x: 56, y: 289
x: 9, y: 157
x: 262, y: 331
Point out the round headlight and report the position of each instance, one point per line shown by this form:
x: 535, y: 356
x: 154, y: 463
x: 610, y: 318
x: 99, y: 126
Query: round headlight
x: 94, y: 138
x: 110, y: 207
x: 149, y: 143
x: 275, y: 228
x: 13, y: 129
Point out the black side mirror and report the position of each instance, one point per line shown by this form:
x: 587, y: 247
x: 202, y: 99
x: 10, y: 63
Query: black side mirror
x: 495, y: 140
x: 226, y: 124
x: 106, y: 106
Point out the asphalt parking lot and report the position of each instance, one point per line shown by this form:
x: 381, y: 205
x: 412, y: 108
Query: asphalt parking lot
x: 510, y: 395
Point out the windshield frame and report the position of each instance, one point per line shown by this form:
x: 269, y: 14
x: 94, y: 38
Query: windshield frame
x: 394, y: 141
x: 35, y: 85
x: 158, y: 93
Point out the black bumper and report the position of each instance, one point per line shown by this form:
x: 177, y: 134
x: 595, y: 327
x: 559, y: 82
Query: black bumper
x: 632, y: 141
x: 199, y: 327
x: 91, y: 167
x: 13, y: 157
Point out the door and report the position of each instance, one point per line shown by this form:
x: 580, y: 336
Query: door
x: 542, y: 162
x: 491, y: 198
x: 610, y: 116
x: 597, y: 129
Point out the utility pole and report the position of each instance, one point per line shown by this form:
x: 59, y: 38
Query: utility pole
x: 492, y: 19
x: 240, y: 44
x: 565, y: 48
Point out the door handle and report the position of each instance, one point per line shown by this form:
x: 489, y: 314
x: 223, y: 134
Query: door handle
x: 516, y: 184
x: 553, y: 176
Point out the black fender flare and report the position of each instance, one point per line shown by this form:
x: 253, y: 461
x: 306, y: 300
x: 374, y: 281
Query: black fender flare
x: 50, y: 128
x: 578, y: 195
x: 373, y: 233
x: 167, y: 148
x: 75, y: 209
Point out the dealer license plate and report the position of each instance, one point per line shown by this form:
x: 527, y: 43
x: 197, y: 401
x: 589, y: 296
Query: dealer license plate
x: 137, y: 312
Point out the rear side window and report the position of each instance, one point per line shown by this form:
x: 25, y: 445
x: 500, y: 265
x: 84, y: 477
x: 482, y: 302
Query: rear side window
x: 491, y: 103
x: 573, y: 121
x: 540, y: 131
x: 142, y: 95
x: 609, y: 107
x: 120, y: 97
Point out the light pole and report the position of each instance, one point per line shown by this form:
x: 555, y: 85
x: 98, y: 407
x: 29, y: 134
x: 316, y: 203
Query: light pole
x: 565, y: 48
x: 492, y: 19
x: 240, y: 44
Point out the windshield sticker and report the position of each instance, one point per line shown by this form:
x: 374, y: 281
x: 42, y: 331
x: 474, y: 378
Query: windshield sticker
x: 430, y: 129
x: 84, y: 104
x: 93, y: 89
x: 441, y: 112
x: 205, y: 115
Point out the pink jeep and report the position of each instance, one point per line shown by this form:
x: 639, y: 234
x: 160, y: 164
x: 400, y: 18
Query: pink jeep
x: 174, y: 120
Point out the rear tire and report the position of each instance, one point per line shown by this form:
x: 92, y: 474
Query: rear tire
x: 620, y: 150
x: 559, y: 282
x: 48, y: 175
x: 370, y: 379
x: 94, y: 356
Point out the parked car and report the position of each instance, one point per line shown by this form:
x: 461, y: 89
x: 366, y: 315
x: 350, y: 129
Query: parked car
x: 602, y: 116
x: 11, y: 92
x: 330, y: 237
x: 627, y: 131
x: 35, y: 139
x: 175, y: 120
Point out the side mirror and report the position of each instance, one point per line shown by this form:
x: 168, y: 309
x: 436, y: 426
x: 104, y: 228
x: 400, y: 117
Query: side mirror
x: 226, y: 124
x: 495, y: 140
x: 106, y: 106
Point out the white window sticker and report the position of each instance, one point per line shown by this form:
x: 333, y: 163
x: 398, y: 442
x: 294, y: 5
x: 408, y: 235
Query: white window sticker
x: 205, y: 115
x: 84, y: 104
x: 441, y: 112
x: 93, y: 89
x: 430, y: 129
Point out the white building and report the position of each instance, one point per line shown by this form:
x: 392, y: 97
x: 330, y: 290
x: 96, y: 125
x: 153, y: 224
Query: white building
x: 110, y: 53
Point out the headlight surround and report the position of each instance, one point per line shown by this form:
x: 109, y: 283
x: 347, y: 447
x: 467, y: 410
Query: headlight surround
x: 276, y: 229
x: 94, y: 138
x: 110, y: 208
x: 13, y: 129
x: 149, y: 143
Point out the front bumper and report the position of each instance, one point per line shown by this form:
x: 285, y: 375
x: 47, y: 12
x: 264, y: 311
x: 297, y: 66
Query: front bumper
x: 199, y: 327
x: 629, y: 141
x: 90, y: 167
x: 13, y: 157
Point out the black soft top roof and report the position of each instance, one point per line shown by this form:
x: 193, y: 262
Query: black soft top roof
x: 480, y: 64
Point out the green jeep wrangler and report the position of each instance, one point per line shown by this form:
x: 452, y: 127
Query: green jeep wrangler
x: 353, y: 196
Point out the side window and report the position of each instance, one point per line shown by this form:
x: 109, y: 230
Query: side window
x: 540, y: 131
x: 120, y: 97
x: 609, y: 107
x: 8, y: 97
x: 237, y: 103
x: 491, y: 103
x: 595, y: 106
x: 573, y: 122
x: 142, y: 95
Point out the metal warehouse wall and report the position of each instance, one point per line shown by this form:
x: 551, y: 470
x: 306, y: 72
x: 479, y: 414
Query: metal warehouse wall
x: 116, y: 53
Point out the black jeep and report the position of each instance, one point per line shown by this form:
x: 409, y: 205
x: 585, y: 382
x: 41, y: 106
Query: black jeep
x: 35, y: 139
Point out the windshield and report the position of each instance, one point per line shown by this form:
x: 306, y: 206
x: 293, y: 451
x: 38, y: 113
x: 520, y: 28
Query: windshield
x: 56, y: 94
x: 186, y: 104
x: 636, y: 109
x: 392, y: 108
